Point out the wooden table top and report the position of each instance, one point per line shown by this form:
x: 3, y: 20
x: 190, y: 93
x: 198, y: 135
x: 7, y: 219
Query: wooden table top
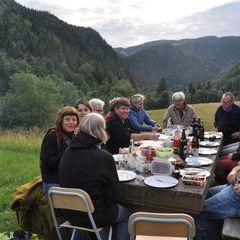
x: 181, y: 198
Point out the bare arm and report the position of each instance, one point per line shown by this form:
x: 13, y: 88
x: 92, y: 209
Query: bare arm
x: 144, y: 136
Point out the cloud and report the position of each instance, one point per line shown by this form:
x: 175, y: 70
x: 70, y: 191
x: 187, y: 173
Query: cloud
x: 125, y: 23
x: 219, y: 21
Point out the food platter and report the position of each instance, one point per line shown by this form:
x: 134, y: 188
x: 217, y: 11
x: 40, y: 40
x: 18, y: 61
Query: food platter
x: 195, y: 172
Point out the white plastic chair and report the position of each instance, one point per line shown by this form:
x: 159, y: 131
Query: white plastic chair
x: 159, y: 226
x: 73, y: 199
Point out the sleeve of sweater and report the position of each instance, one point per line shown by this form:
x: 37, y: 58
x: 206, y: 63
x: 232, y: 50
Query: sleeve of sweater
x: 118, y: 133
x: 49, y: 152
x: 136, y: 126
x: 166, y: 117
x: 147, y: 119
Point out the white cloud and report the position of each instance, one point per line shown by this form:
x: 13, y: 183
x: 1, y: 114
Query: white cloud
x: 126, y: 23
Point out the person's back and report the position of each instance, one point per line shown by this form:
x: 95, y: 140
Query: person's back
x: 84, y: 165
x: 87, y: 167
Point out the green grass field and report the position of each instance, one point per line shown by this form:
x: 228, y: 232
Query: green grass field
x: 19, y: 159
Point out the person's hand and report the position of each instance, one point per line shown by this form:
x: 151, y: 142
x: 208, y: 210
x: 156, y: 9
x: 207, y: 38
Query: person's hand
x: 76, y: 130
x: 237, y: 188
x: 236, y: 135
x: 230, y: 155
x: 232, y: 177
x: 152, y: 136
x: 156, y: 128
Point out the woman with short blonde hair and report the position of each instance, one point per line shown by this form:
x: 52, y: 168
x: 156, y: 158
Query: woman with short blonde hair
x: 94, y: 124
x: 86, y: 166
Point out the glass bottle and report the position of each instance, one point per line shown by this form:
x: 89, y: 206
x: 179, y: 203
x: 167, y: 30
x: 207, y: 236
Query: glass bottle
x: 132, y: 149
x: 176, y: 143
x: 183, y: 146
x: 169, y: 123
x: 195, y: 145
x: 201, y: 131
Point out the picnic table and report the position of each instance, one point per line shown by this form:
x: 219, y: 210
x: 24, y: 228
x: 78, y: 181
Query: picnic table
x: 137, y: 196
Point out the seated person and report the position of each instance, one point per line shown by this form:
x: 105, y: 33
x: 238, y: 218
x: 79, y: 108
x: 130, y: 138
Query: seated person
x: 118, y: 127
x: 227, y: 118
x: 225, y: 164
x: 84, y: 165
x: 83, y: 108
x: 179, y: 112
x: 222, y: 201
x: 97, y: 105
x: 138, y: 118
x: 54, y: 144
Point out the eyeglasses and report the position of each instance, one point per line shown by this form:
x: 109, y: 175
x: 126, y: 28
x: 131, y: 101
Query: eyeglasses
x: 99, y: 110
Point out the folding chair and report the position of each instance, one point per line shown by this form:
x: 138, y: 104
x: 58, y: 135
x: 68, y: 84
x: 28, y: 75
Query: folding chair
x: 73, y: 199
x: 159, y: 226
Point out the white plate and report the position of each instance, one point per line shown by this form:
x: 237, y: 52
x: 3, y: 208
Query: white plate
x: 203, y: 161
x: 207, y: 151
x: 195, y: 172
x: 161, y: 181
x: 125, y: 175
x: 118, y: 157
x: 209, y: 144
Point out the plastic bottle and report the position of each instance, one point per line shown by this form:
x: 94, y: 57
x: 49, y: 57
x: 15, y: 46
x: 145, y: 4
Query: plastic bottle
x: 169, y: 123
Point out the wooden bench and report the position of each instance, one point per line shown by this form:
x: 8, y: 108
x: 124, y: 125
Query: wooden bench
x: 231, y: 228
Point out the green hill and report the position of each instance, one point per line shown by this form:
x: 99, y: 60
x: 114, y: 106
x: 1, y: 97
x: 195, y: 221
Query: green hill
x: 181, y: 62
x: 39, y: 43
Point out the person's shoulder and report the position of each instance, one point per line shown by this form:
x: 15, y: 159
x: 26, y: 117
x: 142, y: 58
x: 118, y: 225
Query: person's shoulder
x: 105, y: 154
x: 190, y: 107
x: 236, y: 107
x: 170, y: 107
x: 51, y: 134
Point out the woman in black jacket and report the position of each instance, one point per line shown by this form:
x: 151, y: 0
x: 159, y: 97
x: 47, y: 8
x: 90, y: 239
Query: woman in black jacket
x: 86, y: 166
x: 54, y: 144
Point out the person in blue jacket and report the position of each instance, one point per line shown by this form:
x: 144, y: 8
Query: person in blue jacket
x: 139, y: 119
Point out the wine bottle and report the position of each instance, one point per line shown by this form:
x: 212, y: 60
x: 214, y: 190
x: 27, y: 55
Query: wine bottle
x: 183, y: 145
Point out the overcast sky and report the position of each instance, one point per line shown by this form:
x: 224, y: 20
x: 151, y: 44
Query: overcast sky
x: 124, y: 23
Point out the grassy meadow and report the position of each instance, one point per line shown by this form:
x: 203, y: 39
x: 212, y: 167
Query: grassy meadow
x: 19, y: 159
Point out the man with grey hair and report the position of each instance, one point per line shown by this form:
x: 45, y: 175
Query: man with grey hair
x: 179, y: 112
x: 97, y: 105
x: 227, y: 119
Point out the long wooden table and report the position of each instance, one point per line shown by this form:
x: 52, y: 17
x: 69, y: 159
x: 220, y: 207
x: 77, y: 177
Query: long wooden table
x: 182, y: 198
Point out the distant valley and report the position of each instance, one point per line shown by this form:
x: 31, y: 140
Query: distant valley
x: 181, y: 62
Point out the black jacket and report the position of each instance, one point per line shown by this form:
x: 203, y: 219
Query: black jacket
x: 52, y: 150
x: 87, y: 167
x: 228, y: 123
x: 119, y: 133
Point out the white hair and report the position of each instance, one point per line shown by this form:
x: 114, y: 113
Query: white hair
x: 178, y: 96
x: 96, y: 101
x: 137, y: 98
x: 94, y: 125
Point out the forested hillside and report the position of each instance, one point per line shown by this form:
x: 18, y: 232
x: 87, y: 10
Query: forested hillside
x: 181, y: 62
x: 39, y: 52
